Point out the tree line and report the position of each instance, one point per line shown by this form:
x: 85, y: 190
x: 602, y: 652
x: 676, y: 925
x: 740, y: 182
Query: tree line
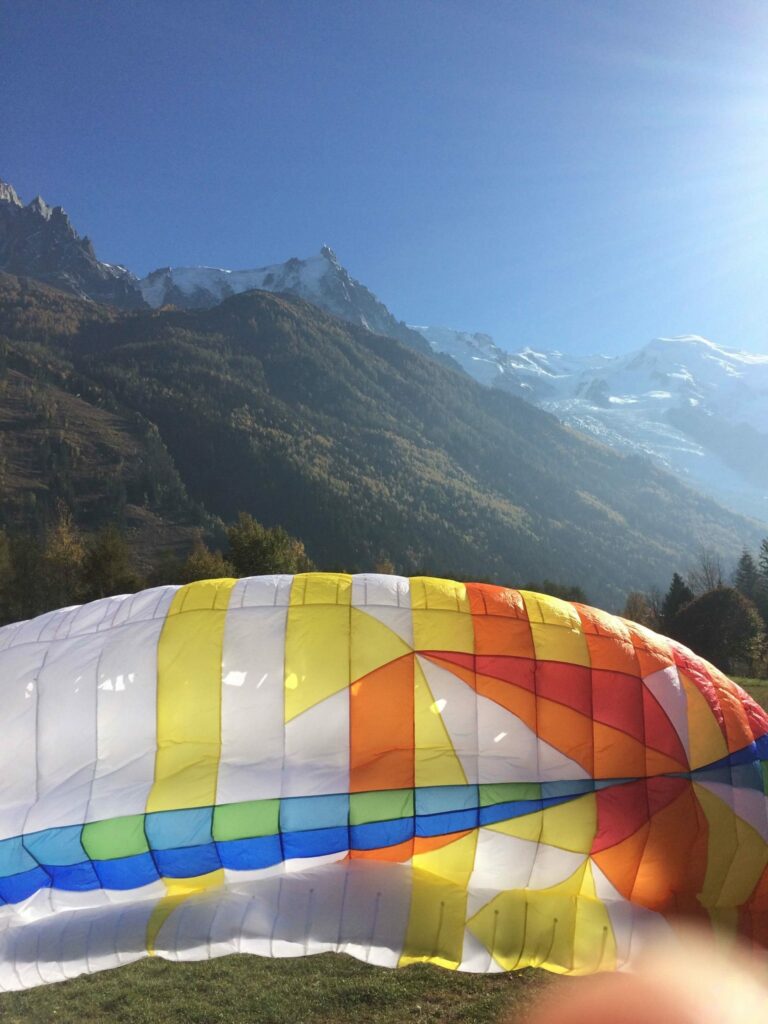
x: 63, y: 566
x: 722, y: 617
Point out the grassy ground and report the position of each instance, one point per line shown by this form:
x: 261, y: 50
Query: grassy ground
x: 327, y: 989
x: 757, y: 687
x: 312, y: 990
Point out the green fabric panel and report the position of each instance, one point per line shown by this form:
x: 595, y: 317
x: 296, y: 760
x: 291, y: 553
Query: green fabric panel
x: 246, y: 820
x: 116, y: 837
x: 386, y: 805
x: 505, y: 792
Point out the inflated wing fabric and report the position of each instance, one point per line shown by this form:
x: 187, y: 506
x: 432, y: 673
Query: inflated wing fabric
x: 403, y: 770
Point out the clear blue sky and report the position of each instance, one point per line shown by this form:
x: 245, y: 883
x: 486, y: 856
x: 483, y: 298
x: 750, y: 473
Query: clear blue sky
x: 583, y: 175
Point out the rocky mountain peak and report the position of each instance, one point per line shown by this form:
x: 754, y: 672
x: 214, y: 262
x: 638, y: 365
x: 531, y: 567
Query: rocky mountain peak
x: 41, y: 208
x: 8, y: 194
x: 38, y: 241
x: 327, y: 252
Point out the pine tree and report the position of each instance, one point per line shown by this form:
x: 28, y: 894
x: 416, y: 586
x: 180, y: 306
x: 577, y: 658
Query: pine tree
x: 677, y: 597
x: 746, y: 579
x: 762, y: 560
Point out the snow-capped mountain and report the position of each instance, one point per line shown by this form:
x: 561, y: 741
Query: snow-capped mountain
x: 698, y: 408
x: 38, y: 240
x: 320, y: 279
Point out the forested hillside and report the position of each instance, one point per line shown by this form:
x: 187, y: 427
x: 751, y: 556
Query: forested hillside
x: 359, y: 446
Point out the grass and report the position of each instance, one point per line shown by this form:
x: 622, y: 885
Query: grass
x: 757, y: 687
x: 325, y: 989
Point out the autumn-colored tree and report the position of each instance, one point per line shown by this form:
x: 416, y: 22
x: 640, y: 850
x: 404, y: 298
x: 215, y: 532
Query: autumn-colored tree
x: 61, y: 563
x: 108, y: 566
x: 638, y: 609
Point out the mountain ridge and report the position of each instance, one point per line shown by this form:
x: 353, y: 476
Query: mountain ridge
x: 666, y: 413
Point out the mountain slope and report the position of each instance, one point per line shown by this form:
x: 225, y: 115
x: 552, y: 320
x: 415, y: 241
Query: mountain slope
x: 366, y: 449
x: 698, y: 409
x: 62, y: 438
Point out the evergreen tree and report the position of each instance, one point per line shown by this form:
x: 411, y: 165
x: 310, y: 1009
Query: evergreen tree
x: 746, y: 579
x: 676, y: 598
x: 762, y: 560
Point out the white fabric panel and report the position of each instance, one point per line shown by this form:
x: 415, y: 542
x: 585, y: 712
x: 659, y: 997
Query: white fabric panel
x: 19, y: 669
x: 66, y: 732
x: 555, y: 766
x: 456, y: 703
x: 317, y: 749
x: 507, y: 747
x: 126, y: 720
x: 634, y: 927
x: 501, y: 862
x: 386, y: 598
x: 262, y: 591
x: 252, y: 699
x: 553, y: 865
x: 666, y: 687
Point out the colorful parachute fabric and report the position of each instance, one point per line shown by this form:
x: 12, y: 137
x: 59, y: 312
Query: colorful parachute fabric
x: 403, y: 770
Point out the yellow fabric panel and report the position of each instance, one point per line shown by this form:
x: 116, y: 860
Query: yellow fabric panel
x: 435, y: 932
x: 373, y: 644
x: 527, y: 826
x: 705, y: 738
x: 189, y: 697
x: 436, y: 763
x: 736, y: 854
x: 317, y: 640
x: 553, y: 928
x: 592, y: 920
x: 572, y: 825
x: 442, y: 619
x: 556, y: 630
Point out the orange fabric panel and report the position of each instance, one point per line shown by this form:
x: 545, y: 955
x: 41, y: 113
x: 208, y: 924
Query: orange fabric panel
x: 425, y: 844
x: 381, y: 728
x: 610, y: 646
x: 653, y: 652
x: 567, y: 730
x: 621, y: 863
x: 671, y: 873
x: 398, y: 853
x: 489, y: 599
